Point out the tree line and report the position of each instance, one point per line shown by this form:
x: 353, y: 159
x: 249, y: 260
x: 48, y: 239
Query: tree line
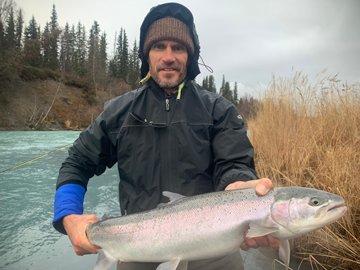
x: 72, y: 50
x: 75, y: 51
x: 246, y: 105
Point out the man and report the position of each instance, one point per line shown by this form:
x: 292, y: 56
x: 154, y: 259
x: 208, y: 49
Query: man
x: 169, y: 135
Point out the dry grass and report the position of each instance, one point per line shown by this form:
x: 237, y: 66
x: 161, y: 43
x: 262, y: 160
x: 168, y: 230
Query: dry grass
x: 309, y: 135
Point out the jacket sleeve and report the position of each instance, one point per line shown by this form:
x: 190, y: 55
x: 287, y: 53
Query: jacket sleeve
x: 90, y: 154
x: 233, y: 152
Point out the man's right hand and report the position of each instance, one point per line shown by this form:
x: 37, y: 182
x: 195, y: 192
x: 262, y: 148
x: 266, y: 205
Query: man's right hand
x: 75, y: 226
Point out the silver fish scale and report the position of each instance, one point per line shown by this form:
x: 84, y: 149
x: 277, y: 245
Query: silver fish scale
x: 214, y: 221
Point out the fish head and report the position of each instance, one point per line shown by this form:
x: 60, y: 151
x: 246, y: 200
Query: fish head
x: 302, y: 210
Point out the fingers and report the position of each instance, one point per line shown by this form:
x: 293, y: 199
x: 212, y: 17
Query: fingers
x: 75, y: 226
x: 262, y: 241
x: 263, y: 186
x: 242, y: 184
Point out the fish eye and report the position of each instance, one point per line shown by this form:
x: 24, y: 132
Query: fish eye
x: 314, y: 201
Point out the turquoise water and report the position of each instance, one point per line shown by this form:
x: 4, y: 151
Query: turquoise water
x: 28, y: 240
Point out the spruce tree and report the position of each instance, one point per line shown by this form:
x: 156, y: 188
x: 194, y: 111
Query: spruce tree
x: 46, y: 46
x: 32, y: 44
x: 124, y: 57
x: 10, y: 31
x: 227, y: 92
x: 80, y: 50
x: 54, y: 36
x: 235, y: 94
x: 134, y: 65
x: 19, y: 29
x: 2, y: 41
x: 212, y: 86
x: 222, y: 88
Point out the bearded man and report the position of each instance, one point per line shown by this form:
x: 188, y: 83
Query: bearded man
x: 168, y: 135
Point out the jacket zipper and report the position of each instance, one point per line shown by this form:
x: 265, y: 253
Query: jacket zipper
x: 167, y: 104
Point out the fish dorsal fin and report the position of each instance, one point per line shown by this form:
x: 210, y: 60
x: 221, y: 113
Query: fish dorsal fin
x: 171, y: 265
x: 258, y: 230
x: 105, y: 217
x: 284, y: 252
x: 172, y: 196
x: 104, y: 261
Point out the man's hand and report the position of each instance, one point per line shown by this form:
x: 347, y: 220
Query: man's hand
x: 262, y: 187
x: 75, y: 226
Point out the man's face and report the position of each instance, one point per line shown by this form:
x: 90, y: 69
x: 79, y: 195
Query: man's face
x: 168, y: 62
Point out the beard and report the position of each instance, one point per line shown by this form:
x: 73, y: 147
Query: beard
x: 169, y: 81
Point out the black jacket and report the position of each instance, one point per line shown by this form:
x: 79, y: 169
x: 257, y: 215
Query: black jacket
x: 204, y: 148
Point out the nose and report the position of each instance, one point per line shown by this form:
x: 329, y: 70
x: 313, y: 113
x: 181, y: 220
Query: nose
x: 168, y: 55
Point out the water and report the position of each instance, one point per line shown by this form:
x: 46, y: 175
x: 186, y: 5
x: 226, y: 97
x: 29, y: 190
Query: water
x: 28, y: 240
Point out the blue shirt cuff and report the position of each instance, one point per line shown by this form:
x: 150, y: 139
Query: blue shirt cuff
x: 69, y: 200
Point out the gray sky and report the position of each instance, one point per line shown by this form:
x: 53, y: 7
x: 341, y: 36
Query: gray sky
x: 247, y: 40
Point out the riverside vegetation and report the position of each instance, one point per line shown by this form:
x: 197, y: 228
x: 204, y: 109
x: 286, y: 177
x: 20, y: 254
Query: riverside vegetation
x: 309, y: 136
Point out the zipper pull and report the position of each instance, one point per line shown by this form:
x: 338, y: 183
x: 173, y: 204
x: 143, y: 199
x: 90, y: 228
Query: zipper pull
x: 167, y: 102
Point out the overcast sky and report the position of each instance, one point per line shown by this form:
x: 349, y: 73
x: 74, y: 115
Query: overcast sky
x: 246, y: 40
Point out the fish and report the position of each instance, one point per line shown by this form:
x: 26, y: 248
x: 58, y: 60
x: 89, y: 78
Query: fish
x: 212, y: 225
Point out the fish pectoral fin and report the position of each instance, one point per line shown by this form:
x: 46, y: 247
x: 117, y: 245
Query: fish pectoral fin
x: 172, y: 196
x: 258, y: 230
x: 284, y: 252
x: 183, y: 265
x: 171, y: 265
x: 104, y: 261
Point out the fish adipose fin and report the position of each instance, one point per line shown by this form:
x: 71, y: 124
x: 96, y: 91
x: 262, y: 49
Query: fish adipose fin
x: 284, y: 252
x: 173, y: 265
x: 104, y: 261
x: 258, y: 230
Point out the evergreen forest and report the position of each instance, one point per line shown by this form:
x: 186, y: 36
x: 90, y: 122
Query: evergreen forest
x: 72, y: 52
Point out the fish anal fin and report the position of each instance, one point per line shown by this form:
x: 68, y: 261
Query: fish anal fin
x: 172, y: 196
x: 258, y: 230
x: 284, y: 252
x: 104, y: 261
x: 171, y: 265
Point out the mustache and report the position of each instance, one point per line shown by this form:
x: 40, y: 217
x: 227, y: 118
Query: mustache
x: 173, y: 66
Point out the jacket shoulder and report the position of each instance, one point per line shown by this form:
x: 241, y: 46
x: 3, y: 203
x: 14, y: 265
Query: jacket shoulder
x: 116, y: 109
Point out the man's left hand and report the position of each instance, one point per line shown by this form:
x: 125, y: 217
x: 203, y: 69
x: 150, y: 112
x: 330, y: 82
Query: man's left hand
x: 262, y: 187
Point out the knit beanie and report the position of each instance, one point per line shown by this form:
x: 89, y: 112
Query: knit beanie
x: 168, y: 28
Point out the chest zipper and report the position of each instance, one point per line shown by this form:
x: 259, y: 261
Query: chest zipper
x: 167, y: 103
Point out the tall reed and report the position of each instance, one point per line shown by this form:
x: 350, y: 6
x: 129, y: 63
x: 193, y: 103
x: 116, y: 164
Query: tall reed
x: 309, y: 135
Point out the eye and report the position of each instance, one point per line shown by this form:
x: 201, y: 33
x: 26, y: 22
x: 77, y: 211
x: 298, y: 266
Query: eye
x: 158, y: 46
x: 179, y: 47
x: 314, y: 201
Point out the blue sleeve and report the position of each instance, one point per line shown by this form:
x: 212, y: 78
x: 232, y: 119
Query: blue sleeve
x: 69, y: 200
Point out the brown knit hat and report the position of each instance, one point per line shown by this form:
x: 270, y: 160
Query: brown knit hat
x: 168, y: 28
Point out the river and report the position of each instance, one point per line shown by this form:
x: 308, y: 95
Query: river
x: 28, y: 239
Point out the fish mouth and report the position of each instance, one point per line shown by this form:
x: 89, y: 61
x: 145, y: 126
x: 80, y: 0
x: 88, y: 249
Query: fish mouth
x: 339, y: 207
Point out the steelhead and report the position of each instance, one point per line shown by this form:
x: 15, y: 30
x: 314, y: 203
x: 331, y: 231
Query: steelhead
x: 212, y: 225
